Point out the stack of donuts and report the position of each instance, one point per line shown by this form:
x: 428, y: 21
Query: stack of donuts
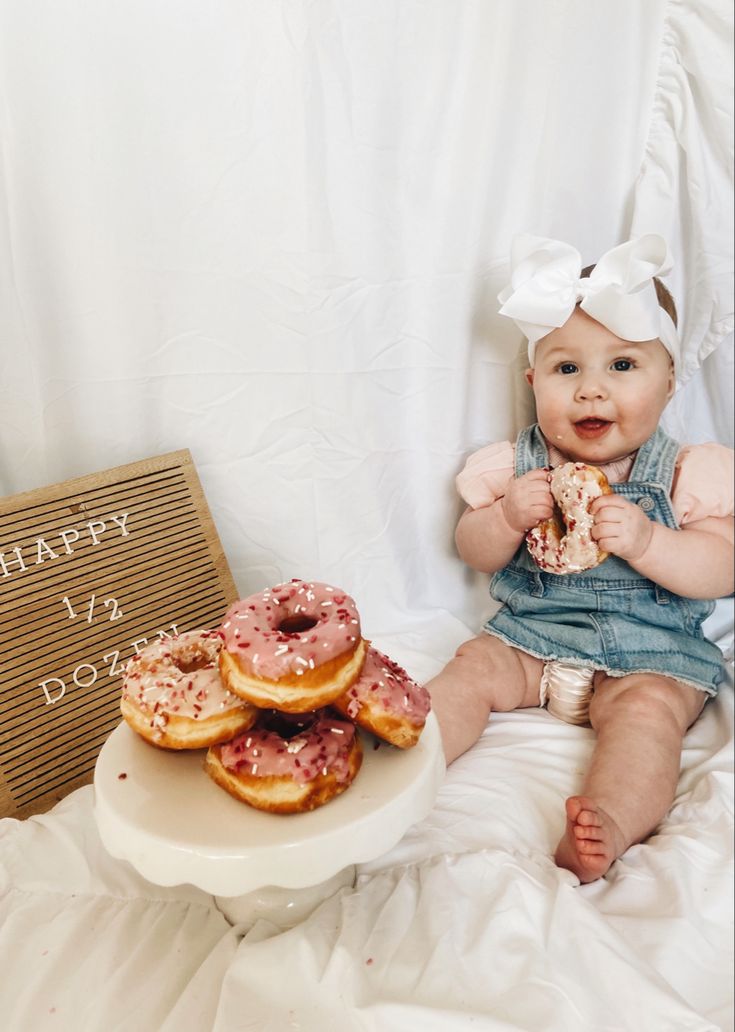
x: 276, y: 696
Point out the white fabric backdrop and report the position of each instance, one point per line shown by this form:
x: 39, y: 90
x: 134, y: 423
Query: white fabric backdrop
x: 274, y: 232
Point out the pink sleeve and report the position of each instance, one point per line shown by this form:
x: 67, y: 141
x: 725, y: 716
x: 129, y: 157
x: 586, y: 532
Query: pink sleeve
x: 486, y: 474
x: 703, y: 483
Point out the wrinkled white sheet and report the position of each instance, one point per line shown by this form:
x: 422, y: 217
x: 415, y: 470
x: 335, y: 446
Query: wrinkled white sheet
x: 465, y: 924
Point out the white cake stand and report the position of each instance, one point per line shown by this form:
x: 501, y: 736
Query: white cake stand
x: 162, y: 813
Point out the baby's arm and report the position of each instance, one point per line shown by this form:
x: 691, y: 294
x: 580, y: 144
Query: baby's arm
x: 488, y: 538
x: 696, y: 561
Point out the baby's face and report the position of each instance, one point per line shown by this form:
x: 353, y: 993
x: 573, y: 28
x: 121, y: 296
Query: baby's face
x: 598, y: 397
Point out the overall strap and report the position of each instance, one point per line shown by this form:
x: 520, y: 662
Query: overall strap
x: 531, y: 450
x: 656, y: 461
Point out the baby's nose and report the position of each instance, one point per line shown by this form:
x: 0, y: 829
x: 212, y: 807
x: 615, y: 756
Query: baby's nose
x: 591, y: 386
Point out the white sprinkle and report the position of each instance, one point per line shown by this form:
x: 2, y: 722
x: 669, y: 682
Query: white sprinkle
x: 300, y: 659
x: 325, y: 645
x: 405, y: 700
x: 324, y: 770
x: 311, y: 663
x: 242, y: 616
x: 327, y: 588
x: 256, y: 657
x: 327, y: 603
x: 336, y: 730
x: 248, y: 743
x: 299, y: 672
x: 254, y: 769
x: 226, y: 624
x: 281, y: 649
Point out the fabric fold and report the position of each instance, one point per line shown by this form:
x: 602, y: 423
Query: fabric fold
x: 684, y: 190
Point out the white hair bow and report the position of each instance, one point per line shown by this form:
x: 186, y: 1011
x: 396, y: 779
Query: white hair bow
x: 546, y: 285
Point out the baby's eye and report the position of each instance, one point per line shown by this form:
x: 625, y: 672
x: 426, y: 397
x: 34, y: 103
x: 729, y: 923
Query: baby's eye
x: 622, y: 365
x: 567, y: 368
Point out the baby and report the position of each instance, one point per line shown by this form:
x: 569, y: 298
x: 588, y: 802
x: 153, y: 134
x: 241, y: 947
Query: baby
x: 603, y: 352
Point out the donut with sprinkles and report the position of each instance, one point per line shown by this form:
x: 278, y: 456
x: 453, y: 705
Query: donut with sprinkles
x: 174, y: 698
x: 288, y: 763
x: 386, y: 701
x: 295, y: 647
x: 564, y: 544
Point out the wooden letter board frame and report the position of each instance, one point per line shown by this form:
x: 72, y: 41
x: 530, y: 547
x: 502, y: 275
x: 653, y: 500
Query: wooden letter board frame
x: 89, y: 569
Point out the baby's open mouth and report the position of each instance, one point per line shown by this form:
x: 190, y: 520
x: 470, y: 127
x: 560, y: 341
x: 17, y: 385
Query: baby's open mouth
x: 592, y: 427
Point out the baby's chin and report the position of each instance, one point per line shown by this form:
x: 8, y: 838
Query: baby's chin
x: 591, y: 453
x: 596, y: 460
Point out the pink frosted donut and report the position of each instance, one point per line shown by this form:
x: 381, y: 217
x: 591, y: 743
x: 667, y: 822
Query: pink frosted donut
x: 564, y: 543
x: 295, y: 647
x: 173, y: 695
x: 288, y: 763
x: 386, y: 701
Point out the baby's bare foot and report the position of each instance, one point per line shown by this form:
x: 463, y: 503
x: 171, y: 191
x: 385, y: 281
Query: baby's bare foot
x: 592, y: 841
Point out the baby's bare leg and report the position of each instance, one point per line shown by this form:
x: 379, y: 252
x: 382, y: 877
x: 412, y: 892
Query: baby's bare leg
x: 640, y: 721
x: 485, y: 675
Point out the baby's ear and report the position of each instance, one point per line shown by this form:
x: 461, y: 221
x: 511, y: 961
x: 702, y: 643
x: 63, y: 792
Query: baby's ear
x: 529, y: 377
x: 672, y: 382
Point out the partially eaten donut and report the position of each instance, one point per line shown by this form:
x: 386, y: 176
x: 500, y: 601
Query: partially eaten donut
x: 564, y: 543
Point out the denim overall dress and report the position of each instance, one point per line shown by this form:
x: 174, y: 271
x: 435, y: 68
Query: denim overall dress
x: 610, y: 618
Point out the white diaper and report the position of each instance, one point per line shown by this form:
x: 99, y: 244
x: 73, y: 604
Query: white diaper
x: 568, y: 691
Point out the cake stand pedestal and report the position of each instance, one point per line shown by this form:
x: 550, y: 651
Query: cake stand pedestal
x: 159, y: 811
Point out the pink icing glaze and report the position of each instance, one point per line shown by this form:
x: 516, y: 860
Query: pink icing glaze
x: 291, y: 628
x: 574, y: 488
x: 384, y: 682
x: 154, y: 679
x: 321, y: 745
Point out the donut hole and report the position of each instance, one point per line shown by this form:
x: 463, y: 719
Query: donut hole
x: 286, y: 725
x: 561, y: 520
x: 297, y: 624
x: 193, y: 663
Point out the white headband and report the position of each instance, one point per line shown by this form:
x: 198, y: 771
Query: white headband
x: 619, y: 293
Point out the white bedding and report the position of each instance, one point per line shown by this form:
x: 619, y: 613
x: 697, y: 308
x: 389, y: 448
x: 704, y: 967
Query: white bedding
x: 465, y: 924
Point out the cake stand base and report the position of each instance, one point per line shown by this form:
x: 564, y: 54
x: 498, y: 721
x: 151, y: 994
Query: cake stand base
x: 284, y: 908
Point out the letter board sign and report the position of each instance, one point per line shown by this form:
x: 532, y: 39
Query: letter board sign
x: 90, y: 569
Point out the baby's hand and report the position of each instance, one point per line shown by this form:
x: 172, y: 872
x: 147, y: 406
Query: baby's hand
x: 528, y: 500
x: 621, y: 527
